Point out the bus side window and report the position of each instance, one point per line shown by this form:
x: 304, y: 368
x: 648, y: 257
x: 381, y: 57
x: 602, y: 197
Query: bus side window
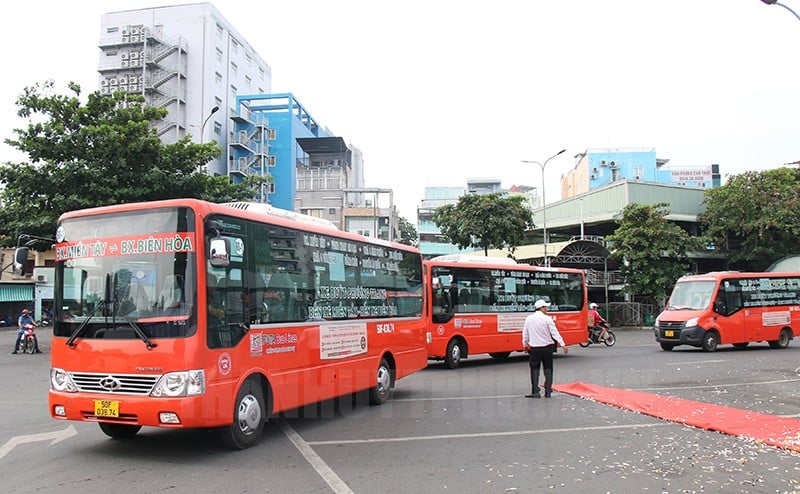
x: 729, y: 297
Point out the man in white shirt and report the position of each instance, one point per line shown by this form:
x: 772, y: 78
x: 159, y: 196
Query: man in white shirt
x: 539, y: 334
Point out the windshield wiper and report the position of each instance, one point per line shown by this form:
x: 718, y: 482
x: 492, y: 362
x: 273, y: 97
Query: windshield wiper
x: 77, y: 332
x: 133, y: 324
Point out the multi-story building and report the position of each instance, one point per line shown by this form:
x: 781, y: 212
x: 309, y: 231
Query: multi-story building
x: 595, y: 168
x: 431, y: 241
x: 187, y: 59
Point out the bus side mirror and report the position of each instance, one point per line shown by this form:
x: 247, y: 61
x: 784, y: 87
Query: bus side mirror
x: 20, y: 259
x: 218, y: 252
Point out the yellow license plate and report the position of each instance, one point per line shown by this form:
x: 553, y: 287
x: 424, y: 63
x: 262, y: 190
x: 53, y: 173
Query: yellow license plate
x: 669, y: 334
x: 106, y: 408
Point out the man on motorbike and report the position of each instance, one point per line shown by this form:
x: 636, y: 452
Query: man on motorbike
x: 599, y: 322
x: 26, y: 319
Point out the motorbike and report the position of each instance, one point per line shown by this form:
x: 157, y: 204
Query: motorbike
x: 594, y: 336
x: 28, y: 343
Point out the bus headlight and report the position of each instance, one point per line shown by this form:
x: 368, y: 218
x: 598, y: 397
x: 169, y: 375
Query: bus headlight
x: 184, y: 383
x: 692, y: 322
x: 60, y: 381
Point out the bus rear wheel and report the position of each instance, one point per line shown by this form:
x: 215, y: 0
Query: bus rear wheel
x: 782, y: 341
x: 710, y: 341
x: 455, y: 351
x: 379, y: 393
x: 119, y: 431
x: 249, y: 416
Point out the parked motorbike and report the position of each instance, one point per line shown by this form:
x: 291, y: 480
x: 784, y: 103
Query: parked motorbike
x: 594, y: 336
x: 28, y: 343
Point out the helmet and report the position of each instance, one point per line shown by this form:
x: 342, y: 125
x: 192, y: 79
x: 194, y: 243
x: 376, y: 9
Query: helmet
x: 593, y: 305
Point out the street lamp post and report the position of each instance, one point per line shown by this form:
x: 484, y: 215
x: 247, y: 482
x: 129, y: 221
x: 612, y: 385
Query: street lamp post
x: 203, y: 127
x: 776, y: 2
x: 544, y: 203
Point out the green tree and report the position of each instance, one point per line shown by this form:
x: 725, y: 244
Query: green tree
x: 408, y: 234
x: 651, y: 250
x: 99, y: 153
x: 753, y: 217
x: 484, y: 221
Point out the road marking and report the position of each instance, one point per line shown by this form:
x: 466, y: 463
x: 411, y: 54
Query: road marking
x: 56, y: 436
x: 336, y: 484
x: 482, y: 434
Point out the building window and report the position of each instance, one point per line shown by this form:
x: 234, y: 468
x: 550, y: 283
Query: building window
x: 217, y: 128
x: 260, y: 90
x: 261, y: 72
x: 220, y: 31
x: 219, y: 54
x: 638, y: 172
x: 218, y: 101
x: 234, y: 46
x: 271, y: 188
x: 218, y: 78
x: 247, y: 81
x: 233, y: 92
x: 234, y: 68
x: 112, y: 29
x: 248, y: 58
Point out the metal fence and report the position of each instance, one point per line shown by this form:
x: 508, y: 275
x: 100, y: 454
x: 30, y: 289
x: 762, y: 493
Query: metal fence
x: 621, y: 314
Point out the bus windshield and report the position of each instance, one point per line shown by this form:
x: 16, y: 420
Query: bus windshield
x: 691, y: 295
x: 121, y: 275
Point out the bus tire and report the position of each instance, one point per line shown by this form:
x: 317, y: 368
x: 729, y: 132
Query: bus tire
x: 500, y: 355
x: 119, y: 431
x: 249, y: 416
x: 710, y: 341
x: 783, y: 339
x: 584, y: 344
x: 379, y: 393
x: 667, y: 347
x: 455, y: 352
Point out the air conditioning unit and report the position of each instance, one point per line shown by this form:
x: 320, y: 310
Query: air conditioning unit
x: 126, y: 39
x: 612, y: 164
x: 133, y: 79
x: 126, y: 31
x: 135, y: 30
x: 123, y: 80
x: 112, y: 82
x: 595, y: 169
x: 135, y: 38
x: 134, y: 55
x: 124, y: 63
x: 103, y: 90
x: 638, y: 177
x: 41, y: 278
x: 103, y: 82
x: 134, y: 62
x: 603, y: 163
x: 123, y: 56
x: 592, y: 176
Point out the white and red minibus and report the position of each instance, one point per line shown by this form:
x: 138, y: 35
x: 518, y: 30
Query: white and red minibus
x: 730, y: 307
x: 187, y: 314
x: 478, y: 305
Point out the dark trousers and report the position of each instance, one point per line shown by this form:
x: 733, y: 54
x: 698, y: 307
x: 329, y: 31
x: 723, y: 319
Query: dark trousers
x: 541, y: 356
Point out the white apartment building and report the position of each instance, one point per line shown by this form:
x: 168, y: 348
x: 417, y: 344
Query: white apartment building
x: 188, y: 59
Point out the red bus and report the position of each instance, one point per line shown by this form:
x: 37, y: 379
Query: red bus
x: 478, y: 305
x: 729, y: 307
x: 187, y: 314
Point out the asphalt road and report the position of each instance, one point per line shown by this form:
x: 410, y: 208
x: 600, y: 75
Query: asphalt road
x: 468, y: 430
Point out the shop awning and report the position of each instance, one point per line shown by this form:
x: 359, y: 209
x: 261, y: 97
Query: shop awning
x: 16, y: 293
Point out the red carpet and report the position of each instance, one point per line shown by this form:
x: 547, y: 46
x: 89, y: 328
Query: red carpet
x: 768, y: 429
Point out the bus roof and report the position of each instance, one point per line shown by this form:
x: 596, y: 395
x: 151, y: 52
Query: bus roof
x: 280, y: 213
x: 467, y: 258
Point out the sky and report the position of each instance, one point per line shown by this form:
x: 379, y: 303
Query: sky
x: 437, y: 92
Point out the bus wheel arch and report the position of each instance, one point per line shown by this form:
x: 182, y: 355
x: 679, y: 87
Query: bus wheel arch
x: 384, y: 380
x: 783, y: 340
x: 250, y: 414
x: 456, y: 350
x: 710, y: 341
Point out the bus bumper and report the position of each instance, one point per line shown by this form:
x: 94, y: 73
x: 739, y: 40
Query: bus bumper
x: 693, y: 335
x: 183, y: 412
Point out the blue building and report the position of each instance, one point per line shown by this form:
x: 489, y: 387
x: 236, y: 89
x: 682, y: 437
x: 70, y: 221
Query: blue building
x: 263, y: 142
x: 595, y: 168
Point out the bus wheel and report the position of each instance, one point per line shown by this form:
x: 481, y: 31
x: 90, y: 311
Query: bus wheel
x: 379, y: 393
x: 248, y: 417
x: 667, y: 347
x: 119, y: 431
x: 782, y: 341
x: 455, y: 350
x: 500, y: 355
x: 710, y: 341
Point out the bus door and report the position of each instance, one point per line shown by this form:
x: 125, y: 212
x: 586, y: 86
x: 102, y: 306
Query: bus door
x: 730, y: 307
